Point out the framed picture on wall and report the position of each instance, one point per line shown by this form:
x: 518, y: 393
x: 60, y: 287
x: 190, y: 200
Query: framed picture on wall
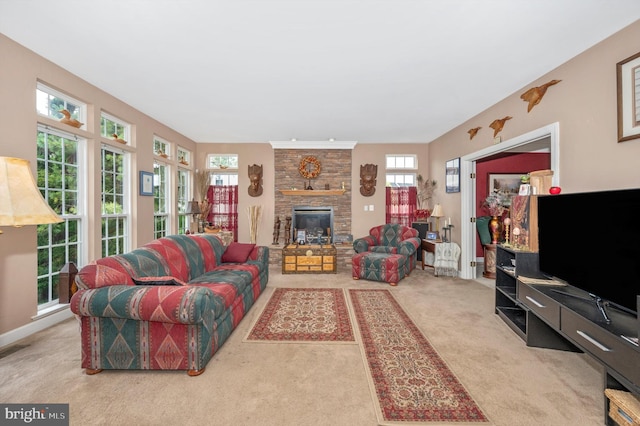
x: 146, y: 183
x: 452, y: 181
x: 507, y: 183
x: 628, y: 73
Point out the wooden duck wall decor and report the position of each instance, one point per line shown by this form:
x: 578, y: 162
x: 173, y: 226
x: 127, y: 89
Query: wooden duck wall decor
x: 117, y: 139
x: 68, y: 120
x: 535, y: 94
x: 498, y: 124
x: 473, y: 132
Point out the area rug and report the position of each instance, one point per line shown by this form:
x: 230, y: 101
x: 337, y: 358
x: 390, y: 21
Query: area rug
x: 304, y: 315
x: 411, y: 384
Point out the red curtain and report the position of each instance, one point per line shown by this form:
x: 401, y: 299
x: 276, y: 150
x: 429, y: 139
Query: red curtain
x: 401, y: 205
x: 224, y: 207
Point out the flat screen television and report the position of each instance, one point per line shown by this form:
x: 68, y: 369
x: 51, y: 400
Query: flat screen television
x: 591, y: 241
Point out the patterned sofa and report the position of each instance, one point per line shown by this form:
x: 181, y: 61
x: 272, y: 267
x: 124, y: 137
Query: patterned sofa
x: 387, y: 254
x: 168, y: 305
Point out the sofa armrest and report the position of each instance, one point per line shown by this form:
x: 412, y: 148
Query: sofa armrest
x: 168, y: 304
x: 360, y: 245
x: 409, y: 246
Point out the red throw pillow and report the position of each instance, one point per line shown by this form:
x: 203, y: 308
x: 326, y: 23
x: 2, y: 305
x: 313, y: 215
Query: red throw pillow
x: 237, y: 252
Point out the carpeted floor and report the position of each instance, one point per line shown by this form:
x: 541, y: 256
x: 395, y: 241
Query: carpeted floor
x: 317, y: 384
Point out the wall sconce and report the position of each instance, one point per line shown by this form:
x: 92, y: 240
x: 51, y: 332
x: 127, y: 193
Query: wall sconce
x: 21, y: 202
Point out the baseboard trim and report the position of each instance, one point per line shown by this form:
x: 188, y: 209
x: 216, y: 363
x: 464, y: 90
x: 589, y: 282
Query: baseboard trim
x: 36, y: 326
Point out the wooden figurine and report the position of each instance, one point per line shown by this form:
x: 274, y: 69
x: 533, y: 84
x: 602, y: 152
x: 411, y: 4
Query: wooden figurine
x: 255, y: 176
x: 287, y: 230
x: 276, y: 231
x: 368, y: 175
x: 498, y: 124
x: 68, y: 120
x: 117, y: 139
x: 535, y: 94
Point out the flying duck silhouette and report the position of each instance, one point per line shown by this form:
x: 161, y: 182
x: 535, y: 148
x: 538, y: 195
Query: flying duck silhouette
x: 117, y: 139
x: 498, y: 124
x: 535, y: 94
x: 473, y: 132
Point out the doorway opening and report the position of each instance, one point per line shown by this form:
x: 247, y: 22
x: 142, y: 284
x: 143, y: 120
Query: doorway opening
x: 544, y: 138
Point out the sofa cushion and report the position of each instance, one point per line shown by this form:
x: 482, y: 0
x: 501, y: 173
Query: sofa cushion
x: 165, y: 280
x: 384, y: 249
x: 237, y: 252
x: 94, y: 276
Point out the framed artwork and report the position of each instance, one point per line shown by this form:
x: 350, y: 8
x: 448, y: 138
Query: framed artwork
x: 301, y: 237
x: 452, y: 181
x: 507, y: 183
x: 146, y: 183
x: 628, y: 73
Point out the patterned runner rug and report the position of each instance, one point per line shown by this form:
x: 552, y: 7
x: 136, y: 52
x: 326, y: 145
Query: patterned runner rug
x: 411, y: 384
x: 311, y: 315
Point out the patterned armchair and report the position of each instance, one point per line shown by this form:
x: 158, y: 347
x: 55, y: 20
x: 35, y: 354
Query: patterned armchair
x: 391, y: 238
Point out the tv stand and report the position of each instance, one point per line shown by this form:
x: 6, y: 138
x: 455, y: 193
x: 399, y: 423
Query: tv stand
x: 554, y: 313
x: 600, y: 304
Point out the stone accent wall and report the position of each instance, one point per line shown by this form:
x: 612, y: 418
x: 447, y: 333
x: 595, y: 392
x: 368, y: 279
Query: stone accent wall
x: 335, y: 169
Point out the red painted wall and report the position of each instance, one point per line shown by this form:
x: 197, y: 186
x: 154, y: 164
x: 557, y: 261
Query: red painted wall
x: 512, y: 164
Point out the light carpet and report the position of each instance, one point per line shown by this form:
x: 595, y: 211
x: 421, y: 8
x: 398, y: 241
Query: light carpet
x: 410, y: 381
x: 304, y: 315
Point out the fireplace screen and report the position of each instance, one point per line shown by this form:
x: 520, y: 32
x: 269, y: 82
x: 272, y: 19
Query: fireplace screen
x: 317, y: 222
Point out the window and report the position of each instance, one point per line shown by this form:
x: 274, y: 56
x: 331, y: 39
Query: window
x: 184, y: 156
x: 224, y: 168
x: 160, y: 199
x: 402, y: 162
x: 111, y: 126
x: 183, y: 198
x: 49, y: 102
x: 222, y: 161
x: 161, y: 147
x: 59, y: 181
x: 115, y: 202
x: 397, y: 167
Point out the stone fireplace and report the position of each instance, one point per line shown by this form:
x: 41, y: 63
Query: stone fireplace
x: 336, y: 171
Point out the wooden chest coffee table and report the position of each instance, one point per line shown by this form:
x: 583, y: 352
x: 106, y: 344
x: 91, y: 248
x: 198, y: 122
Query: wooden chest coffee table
x: 309, y: 259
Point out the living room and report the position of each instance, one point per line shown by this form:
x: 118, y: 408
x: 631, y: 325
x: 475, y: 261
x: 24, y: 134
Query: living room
x: 583, y: 104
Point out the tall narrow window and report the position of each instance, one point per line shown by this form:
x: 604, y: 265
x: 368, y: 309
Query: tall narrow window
x: 160, y: 199
x: 183, y: 199
x: 115, y: 205
x: 59, y: 177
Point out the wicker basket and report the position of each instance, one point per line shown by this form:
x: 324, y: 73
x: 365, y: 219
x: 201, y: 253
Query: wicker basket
x: 624, y: 408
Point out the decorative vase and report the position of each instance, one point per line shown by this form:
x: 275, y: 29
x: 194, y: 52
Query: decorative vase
x: 494, y: 227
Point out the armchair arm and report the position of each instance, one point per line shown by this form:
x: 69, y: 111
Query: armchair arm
x: 409, y: 246
x: 168, y: 304
x: 361, y: 245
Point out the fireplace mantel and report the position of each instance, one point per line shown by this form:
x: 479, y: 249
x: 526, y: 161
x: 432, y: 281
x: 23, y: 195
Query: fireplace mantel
x: 312, y: 192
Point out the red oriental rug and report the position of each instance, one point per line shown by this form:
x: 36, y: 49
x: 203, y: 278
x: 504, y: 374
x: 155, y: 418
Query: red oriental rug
x: 304, y: 315
x: 411, y: 384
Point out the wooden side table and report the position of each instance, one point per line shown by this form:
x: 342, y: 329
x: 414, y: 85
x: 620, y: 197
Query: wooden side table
x: 489, y: 261
x: 429, y: 247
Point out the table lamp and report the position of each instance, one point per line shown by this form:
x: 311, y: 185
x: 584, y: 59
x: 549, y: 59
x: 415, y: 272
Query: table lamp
x: 21, y: 202
x: 437, y: 212
x: 193, y: 208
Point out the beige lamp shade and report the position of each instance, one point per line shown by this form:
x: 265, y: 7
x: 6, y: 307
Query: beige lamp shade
x: 437, y: 211
x: 20, y: 200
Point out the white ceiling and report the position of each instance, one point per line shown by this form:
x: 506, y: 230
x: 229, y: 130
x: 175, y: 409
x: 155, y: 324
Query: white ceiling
x: 264, y: 70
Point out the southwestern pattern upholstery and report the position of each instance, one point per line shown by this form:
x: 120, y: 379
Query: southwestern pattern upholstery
x: 165, y: 327
x: 387, y: 254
